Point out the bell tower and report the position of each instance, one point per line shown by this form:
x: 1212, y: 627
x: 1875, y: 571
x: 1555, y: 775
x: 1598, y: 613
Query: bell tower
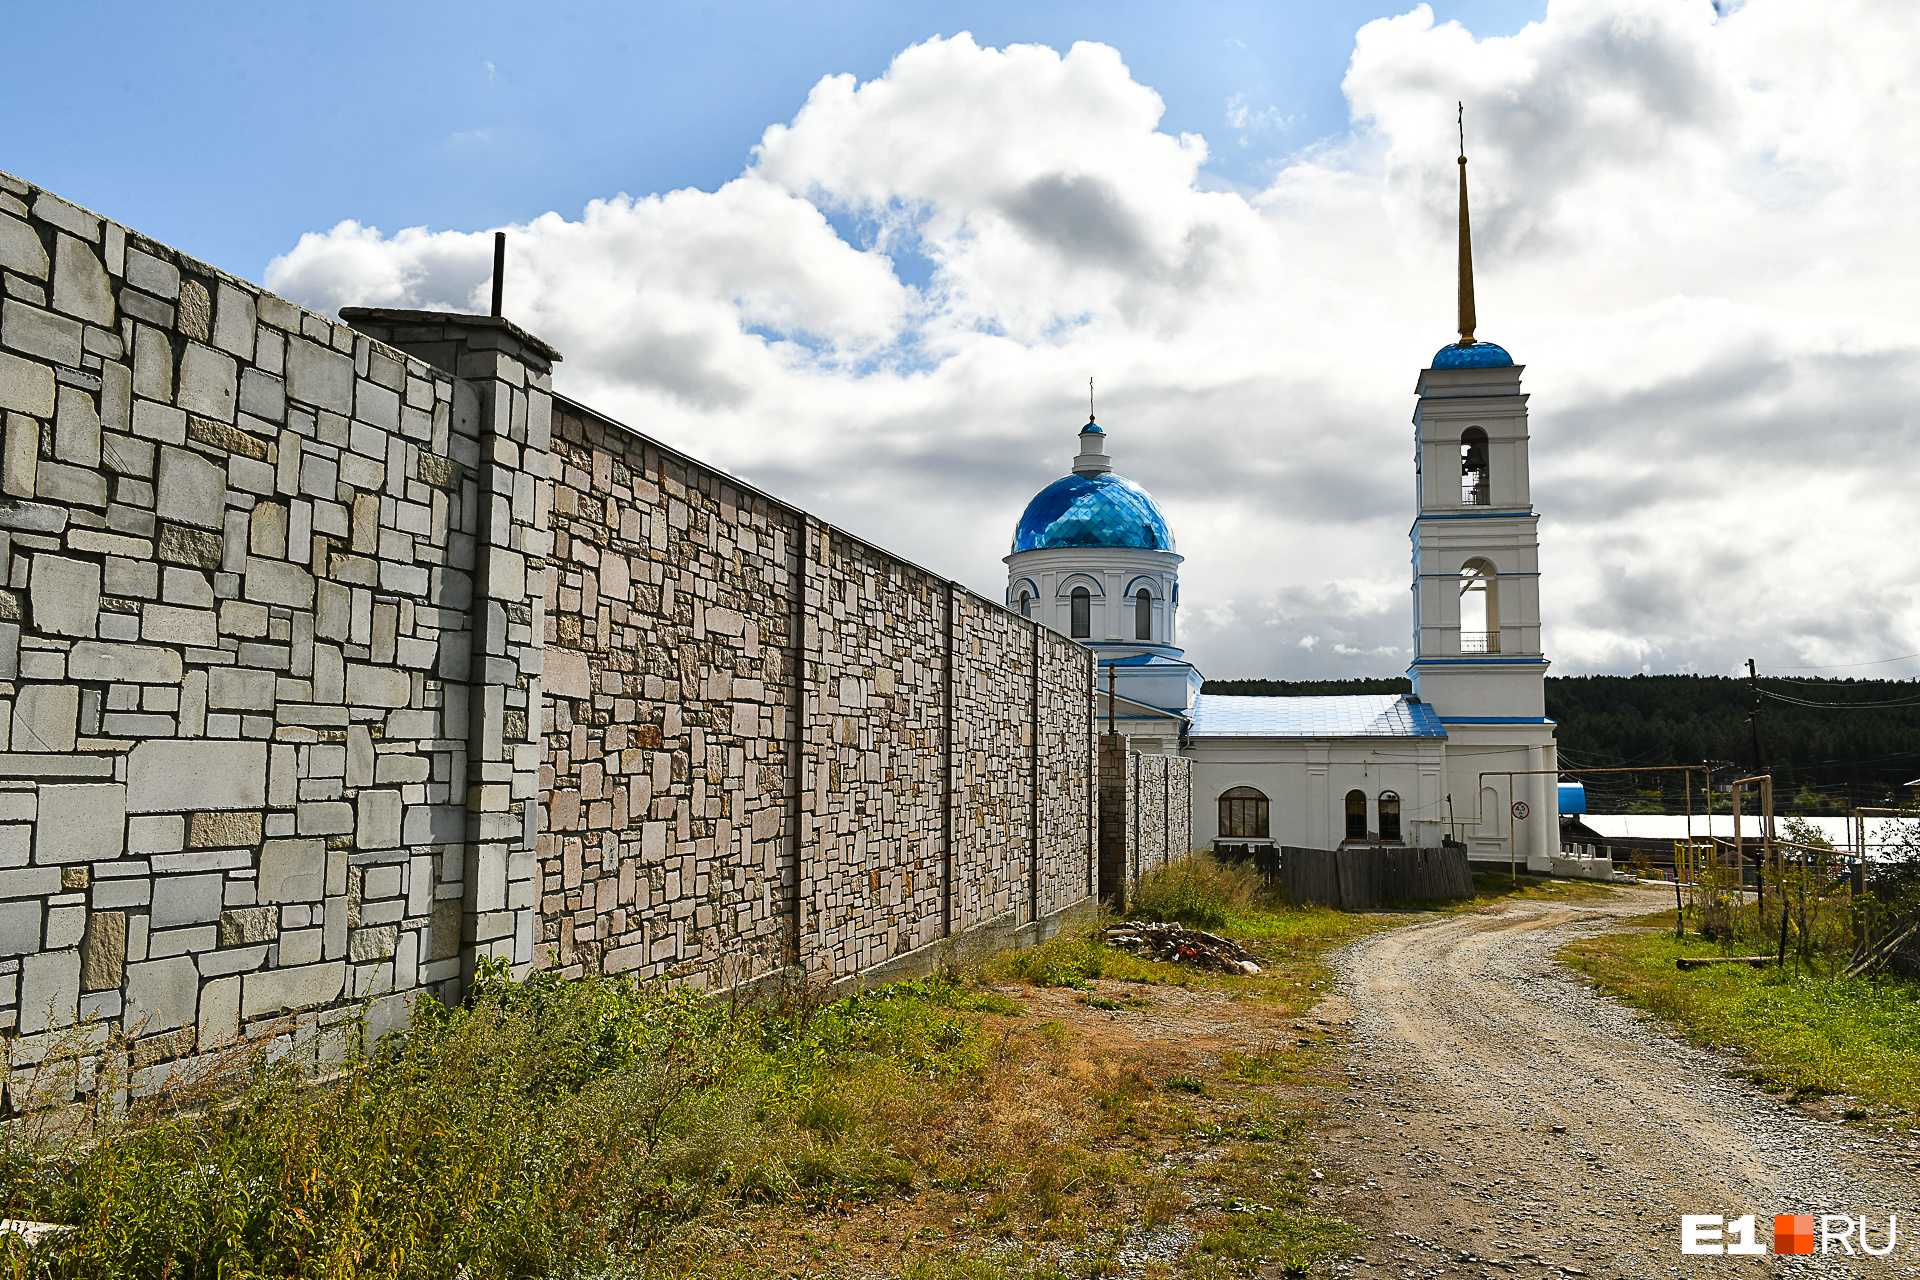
x: 1476, y: 590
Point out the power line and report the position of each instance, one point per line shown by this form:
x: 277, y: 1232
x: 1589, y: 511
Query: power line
x: 1842, y: 666
x: 1840, y: 706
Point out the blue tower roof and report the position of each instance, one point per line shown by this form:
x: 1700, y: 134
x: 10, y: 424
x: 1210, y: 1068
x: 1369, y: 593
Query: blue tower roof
x: 1481, y: 355
x: 1097, y: 509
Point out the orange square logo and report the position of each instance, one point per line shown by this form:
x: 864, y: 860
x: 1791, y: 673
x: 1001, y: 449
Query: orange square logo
x: 1793, y: 1233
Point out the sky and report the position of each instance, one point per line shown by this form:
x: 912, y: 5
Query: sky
x: 866, y: 256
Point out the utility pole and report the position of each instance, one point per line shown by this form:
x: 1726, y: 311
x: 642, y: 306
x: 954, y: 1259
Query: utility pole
x: 1759, y: 765
x: 1759, y: 750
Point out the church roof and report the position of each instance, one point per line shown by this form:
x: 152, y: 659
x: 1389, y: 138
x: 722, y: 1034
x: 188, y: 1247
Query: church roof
x: 1361, y: 715
x: 1093, y: 509
x: 1481, y: 355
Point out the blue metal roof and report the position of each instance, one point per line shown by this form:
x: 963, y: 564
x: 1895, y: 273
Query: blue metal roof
x: 1361, y: 715
x: 1481, y: 355
x: 1098, y: 509
x: 1573, y: 797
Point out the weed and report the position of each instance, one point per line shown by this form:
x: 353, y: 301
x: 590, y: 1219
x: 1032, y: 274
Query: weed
x: 1163, y: 1205
x: 1199, y: 891
x: 1802, y: 1030
x: 1074, y: 958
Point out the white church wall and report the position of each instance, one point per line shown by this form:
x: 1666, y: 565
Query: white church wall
x: 1488, y: 767
x: 1306, y: 782
x: 1111, y: 575
x: 1470, y: 688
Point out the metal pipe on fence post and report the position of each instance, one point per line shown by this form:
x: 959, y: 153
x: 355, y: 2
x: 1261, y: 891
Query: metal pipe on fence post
x: 1679, y: 907
x: 499, y: 270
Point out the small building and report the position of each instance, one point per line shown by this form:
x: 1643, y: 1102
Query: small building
x: 1315, y: 772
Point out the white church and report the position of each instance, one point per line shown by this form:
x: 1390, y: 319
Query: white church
x: 1467, y: 756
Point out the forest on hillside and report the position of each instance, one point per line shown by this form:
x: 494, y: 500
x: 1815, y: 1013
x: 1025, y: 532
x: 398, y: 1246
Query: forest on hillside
x: 1830, y: 744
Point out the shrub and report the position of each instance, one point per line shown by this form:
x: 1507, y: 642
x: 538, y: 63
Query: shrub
x: 1199, y: 891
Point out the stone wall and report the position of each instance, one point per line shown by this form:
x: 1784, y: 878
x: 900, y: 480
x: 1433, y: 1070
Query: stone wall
x: 326, y: 674
x: 244, y: 701
x: 1146, y: 813
x: 1161, y: 810
x: 772, y: 744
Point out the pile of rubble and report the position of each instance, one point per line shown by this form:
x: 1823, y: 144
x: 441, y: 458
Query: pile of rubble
x: 1157, y: 940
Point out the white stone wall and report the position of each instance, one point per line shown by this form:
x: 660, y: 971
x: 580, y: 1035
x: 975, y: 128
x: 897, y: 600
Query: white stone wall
x: 239, y: 742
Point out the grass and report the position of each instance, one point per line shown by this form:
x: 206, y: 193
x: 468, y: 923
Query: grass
x: 1200, y: 891
x: 1077, y: 957
x: 548, y: 1128
x: 941, y: 1128
x: 1498, y: 886
x: 1804, y: 1031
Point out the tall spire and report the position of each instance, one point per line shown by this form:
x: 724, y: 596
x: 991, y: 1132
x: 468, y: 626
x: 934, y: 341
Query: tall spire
x: 1466, y: 241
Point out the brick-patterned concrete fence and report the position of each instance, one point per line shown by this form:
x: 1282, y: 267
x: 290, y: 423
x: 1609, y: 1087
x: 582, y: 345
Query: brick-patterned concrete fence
x: 331, y: 667
x: 772, y: 743
x: 1146, y: 814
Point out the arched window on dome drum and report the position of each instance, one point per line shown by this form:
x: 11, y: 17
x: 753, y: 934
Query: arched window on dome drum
x: 1356, y: 815
x: 1479, y: 607
x: 1026, y: 605
x: 1476, y: 483
x: 1080, y: 614
x: 1243, y: 814
x: 1389, y: 815
x: 1143, y: 614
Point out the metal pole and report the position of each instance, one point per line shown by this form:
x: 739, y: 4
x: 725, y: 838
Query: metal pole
x: 1759, y: 747
x: 499, y: 269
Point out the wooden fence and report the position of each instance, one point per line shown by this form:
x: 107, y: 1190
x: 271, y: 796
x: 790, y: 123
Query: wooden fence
x: 1361, y: 879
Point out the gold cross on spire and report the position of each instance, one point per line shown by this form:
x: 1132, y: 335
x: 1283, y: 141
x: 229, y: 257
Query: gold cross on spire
x: 1466, y: 240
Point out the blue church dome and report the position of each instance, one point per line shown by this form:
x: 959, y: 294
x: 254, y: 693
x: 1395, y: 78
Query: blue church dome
x: 1097, y: 509
x: 1481, y: 355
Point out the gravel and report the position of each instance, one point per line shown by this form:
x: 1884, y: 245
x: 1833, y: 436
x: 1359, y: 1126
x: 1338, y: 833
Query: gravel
x: 1500, y: 1118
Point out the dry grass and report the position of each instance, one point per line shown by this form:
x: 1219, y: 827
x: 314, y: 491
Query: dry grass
x: 990, y: 1126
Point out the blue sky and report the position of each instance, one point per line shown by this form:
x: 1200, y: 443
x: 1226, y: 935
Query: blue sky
x: 1691, y: 225
x: 230, y: 129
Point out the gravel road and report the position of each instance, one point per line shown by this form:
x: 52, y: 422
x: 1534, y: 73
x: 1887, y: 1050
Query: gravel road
x: 1502, y: 1119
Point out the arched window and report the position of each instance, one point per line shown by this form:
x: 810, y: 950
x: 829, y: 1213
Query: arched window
x: 1080, y: 614
x: 1356, y: 815
x: 1389, y: 815
x: 1243, y: 814
x: 1143, y: 614
x: 1026, y: 604
x: 1479, y: 608
x: 1476, y: 484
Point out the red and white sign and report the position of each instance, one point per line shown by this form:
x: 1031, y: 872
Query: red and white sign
x: 1520, y: 809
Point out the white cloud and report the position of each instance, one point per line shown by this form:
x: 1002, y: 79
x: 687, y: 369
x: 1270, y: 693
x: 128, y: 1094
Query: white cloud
x: 1688, y: 226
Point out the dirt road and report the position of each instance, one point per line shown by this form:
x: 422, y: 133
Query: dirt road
x: 1502, y: 1119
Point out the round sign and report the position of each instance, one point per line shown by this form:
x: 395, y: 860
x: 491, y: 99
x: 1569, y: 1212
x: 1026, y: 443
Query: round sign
x: 1520, y: 809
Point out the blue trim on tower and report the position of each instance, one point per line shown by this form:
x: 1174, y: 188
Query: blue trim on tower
x: 1478, y: 662
x: 1507, y: 514
x: 1495, y: 720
